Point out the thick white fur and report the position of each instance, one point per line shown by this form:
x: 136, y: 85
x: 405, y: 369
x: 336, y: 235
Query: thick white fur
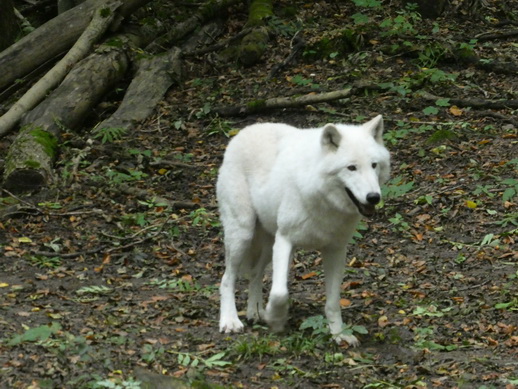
x: 281, y: 187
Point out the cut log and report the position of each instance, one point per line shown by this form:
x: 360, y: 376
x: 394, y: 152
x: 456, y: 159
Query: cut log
x: 29, y: 162
x: 153, y: 79
x: 51, y: 39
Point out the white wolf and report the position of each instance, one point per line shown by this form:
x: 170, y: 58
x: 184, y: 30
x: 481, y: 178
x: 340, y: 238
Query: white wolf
x: 280, y: 187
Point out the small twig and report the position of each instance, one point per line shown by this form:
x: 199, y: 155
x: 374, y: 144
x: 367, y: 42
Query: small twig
x: 137, y: 242
x: 485, y: 36
x: 69, y: 255
x: 297, y: 44
x: 171, y: 163
x: 218, y: 46
x: 474, y: 286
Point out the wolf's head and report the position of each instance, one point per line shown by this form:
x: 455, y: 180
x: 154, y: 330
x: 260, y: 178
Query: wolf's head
x: 356, y: 162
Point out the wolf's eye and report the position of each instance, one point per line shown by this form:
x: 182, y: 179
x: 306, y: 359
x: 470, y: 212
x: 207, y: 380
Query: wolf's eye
x: 374, y: 165
x: 351, y: 168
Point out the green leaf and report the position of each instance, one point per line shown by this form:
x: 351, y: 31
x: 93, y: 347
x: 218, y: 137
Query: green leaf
x: 443, y: 102
x: 216, y: 360
x: 360, y: 18
x: 35, y: 334
x: 430, y: 110
x: 94, y: 290
x: 508, y: 194
x: 360, y: 330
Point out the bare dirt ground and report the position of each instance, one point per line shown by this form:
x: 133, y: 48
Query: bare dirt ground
x: 112, y: 274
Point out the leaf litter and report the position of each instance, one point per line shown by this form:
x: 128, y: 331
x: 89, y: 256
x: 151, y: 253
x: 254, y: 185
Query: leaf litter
x: 105, y: 284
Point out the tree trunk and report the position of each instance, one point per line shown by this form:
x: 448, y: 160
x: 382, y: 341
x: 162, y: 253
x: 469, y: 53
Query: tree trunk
x: 8, y: 25
x: 28, y: 164
x: 51, y: 39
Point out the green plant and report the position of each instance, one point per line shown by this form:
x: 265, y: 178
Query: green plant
x: 117, y: 383
x: 399, y: 223
x: 219, y: 126
x: 46, y: 262
x: 36, y: 334
x: 396, y: 187
x: 430, y: 55
x: 367, y: 3
x: 178, y: 284
x: 138, y: 152
x: 203, y: 218
x: 257, y: 346
x: 204, y: 111
x: 431, y: 311
x: 317, y: 324
x: 117, y: 177
x: 109, y: 134
x: 362, y: 226
x: 510, y: 305
x: 509, y: 218
x: 94, y: 290
x: 510, y: 192
x: 403, y: 24
x: 195, y: 360
x: 320, y: 330
x: 422, y: 341
x: 135, y: 219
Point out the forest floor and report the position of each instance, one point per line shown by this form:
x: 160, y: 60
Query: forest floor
x: 112, y: 275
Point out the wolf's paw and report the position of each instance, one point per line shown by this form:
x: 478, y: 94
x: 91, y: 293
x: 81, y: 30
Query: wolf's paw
x: 255, y: 315
x: 351, y: 340
x: 276, y: 323
x: 230, y: 325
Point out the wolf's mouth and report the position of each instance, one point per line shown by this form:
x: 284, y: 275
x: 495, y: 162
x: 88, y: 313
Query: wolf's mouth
x: 367, y: 210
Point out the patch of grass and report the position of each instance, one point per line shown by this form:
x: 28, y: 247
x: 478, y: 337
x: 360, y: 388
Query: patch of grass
x: 109, y: 134
x: 256, y: 346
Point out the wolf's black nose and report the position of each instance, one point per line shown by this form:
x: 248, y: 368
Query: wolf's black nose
x: 373, y: 198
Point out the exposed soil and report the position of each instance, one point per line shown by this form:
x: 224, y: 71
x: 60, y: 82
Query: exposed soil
x: 121, y: 282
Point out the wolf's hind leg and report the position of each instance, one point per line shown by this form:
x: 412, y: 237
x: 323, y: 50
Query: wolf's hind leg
x: 262, y: 245
x: 238, y: 249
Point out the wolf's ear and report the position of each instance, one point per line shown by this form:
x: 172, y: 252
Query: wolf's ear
x: 331, y: 137
x: 375, y: 127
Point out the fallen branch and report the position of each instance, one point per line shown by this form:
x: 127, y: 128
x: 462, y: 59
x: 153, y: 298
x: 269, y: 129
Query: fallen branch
x: 486, y: 36
x: 474, y: 103
x: 100, y: 22
x: 283, y: 102
x: 144, y: 195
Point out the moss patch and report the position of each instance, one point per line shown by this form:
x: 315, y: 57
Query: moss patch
x: 46, y: 139
x: 259, y: 10
x: 32, y: 164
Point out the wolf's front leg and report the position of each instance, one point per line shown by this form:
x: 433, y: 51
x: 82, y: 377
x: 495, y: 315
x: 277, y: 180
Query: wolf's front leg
x: 334, y: 264
x: 276, y: 313
x: 228, y: 319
